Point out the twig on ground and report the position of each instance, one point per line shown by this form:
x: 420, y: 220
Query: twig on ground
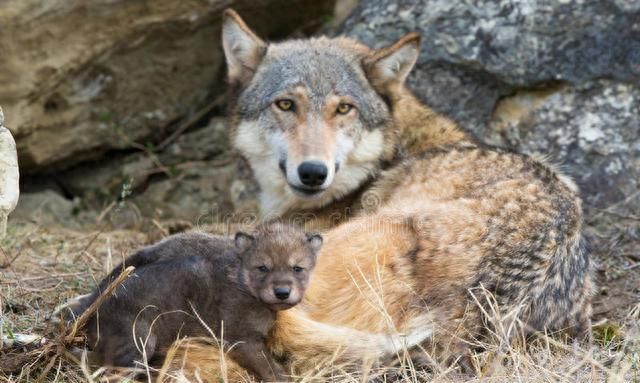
x: 635, y: 257
x: 157, y: 224
x: 84, y: 318
x: 48, y: 367
x: 630, y: 267
x: 40, y: 289
x: 619, y: 203
x: 91, y: 241
x: 41, y: 277
x: 105, y: 211
x: 9, y: 261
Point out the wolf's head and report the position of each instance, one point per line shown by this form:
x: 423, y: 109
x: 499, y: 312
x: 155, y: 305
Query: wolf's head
x: 277, y: 261
x: 313, y: 117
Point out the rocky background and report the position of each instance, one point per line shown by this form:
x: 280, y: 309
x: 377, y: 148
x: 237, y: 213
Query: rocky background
x: 111, y: 105
x: 116, y: 106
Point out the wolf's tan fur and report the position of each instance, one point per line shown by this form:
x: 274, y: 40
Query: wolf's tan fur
x: 427, y: 221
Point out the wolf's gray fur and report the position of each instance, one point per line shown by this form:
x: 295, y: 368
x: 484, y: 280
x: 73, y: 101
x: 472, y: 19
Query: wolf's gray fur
x: 323, y: 70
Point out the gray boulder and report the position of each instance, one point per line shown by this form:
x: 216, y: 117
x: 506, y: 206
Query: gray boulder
x: 592, y: 131
x: 474, y: 52
x: 195, y: 178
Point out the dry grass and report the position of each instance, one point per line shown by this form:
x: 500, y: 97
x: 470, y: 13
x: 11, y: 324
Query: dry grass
x: 41, y: 268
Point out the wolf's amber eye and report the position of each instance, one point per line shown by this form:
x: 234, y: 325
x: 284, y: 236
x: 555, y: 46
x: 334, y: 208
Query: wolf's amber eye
x: 286, y: 105
x: 263, y: 269
x: 297, y: 269
x: 344, y: 108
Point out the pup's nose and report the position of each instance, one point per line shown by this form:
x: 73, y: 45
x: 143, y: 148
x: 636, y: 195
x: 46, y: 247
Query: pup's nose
x: 282, y: 293
x: 312, y: 173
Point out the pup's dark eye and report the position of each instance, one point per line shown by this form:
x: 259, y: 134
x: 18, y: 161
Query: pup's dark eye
x: 263, y: 269
x: 297, y: 269
x: 285, y: 104
x: 344, y: 108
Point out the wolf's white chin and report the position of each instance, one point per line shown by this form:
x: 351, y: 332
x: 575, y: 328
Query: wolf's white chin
x: 306, y: 195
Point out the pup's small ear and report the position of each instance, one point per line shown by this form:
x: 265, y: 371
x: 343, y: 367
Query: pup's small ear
x: 315, y: 242
x: 391, y: 65
x: 244, y: 241
x: 243, y: 49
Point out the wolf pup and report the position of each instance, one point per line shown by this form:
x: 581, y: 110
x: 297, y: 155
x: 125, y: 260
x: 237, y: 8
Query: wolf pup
x: 238, y: 284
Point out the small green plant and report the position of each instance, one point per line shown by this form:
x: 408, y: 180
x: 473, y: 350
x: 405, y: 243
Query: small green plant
x: 10, y: 333
x: 607, y: 334
x: 127, y: 188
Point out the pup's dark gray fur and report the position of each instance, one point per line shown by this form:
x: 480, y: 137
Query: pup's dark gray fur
x: 240, y: 282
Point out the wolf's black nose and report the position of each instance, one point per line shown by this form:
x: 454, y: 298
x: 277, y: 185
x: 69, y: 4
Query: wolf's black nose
x: 282, y: 292
x: 312, y: 173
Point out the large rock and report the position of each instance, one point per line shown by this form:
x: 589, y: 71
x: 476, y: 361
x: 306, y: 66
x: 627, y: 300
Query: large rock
x: 591, y: 131
x: 475, y: 52
x: 196, y: 178
x: 46, y: 208
x: 204, y: 193
x: 107, y: 176
x: 81, y: 78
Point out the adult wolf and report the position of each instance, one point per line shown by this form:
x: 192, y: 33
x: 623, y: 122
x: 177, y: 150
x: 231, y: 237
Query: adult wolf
x: 424, y: 221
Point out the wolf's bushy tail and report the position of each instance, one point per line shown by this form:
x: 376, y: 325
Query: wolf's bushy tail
x: 315, y: 343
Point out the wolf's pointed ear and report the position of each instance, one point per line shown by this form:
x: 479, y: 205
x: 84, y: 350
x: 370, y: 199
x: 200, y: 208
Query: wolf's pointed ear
x: 243, y: 49
x: 244, y: 242
x: 391, y: 65
x: 315, y: 242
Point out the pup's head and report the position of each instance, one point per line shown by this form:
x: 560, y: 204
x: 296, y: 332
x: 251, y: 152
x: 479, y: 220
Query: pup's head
x: 277, y: 261
x: 313, y: 116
